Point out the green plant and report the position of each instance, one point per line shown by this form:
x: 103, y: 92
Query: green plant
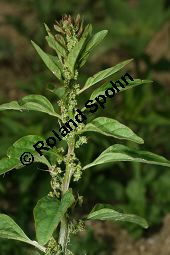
x: 140, y: 107
x: 56, y: 214
x: 143, y: 22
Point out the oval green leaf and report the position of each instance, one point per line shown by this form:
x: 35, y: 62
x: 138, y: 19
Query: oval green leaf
x: 109, y: 72
x: 120, y: 152
x: 31, y: 103
x: 10, y: 230
x: 112, y: 215
x: 48, y: 213
x: 93, y: 42
x: 131, y: 84
x: 24, y: 144
x: 48, y: 61
x: 111, y: 127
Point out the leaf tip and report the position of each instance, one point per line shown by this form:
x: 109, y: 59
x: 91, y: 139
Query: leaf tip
x: 106, y: 31
x: 130, y: 60
x: 145, y: 225
x: 149, y: 81
x: 33, y: 43
x: 46, y: 28
x: 141, y: 141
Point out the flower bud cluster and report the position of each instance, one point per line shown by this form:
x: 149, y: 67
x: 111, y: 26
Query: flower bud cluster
x: 67, y: 74
x: 77, y: 172
x: 72, y: 101
x: 80, y: 127
x: 53, y: 248
x: 71, y: 39
x: 82, y: 140
x: 77, y: 226
x: 56, y: 181
x: 64, y: 113
x: 75, y: 166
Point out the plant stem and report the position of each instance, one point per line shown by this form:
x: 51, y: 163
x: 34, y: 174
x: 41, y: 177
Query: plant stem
x: 63, y: 235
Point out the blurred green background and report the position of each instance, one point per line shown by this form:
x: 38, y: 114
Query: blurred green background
x: 138, y: 29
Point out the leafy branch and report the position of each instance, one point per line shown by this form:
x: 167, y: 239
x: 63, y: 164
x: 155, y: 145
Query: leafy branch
x: 54, y: 213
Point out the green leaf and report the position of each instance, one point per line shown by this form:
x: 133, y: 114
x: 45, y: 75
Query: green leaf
x: 13, y: 105
x: 101, y: 90
x: 120, y: 152
x: 10, y: 230
x: 7, y: 164
x: 54, y: 44
x: 59, y: 92
x: 94, y: 41
x: 24, y: 144
x: 38, y: 103
x: 109, y: 72
x: 44, y: 216
x: 33, y: 103
x: 48, y: 60
x: 111, y: 127
x: 48, y: 213
x: 52, y: 155
x: 75, y: 52
x: 57, y: 63
x: 112, y: 215
x: 48, y: 30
